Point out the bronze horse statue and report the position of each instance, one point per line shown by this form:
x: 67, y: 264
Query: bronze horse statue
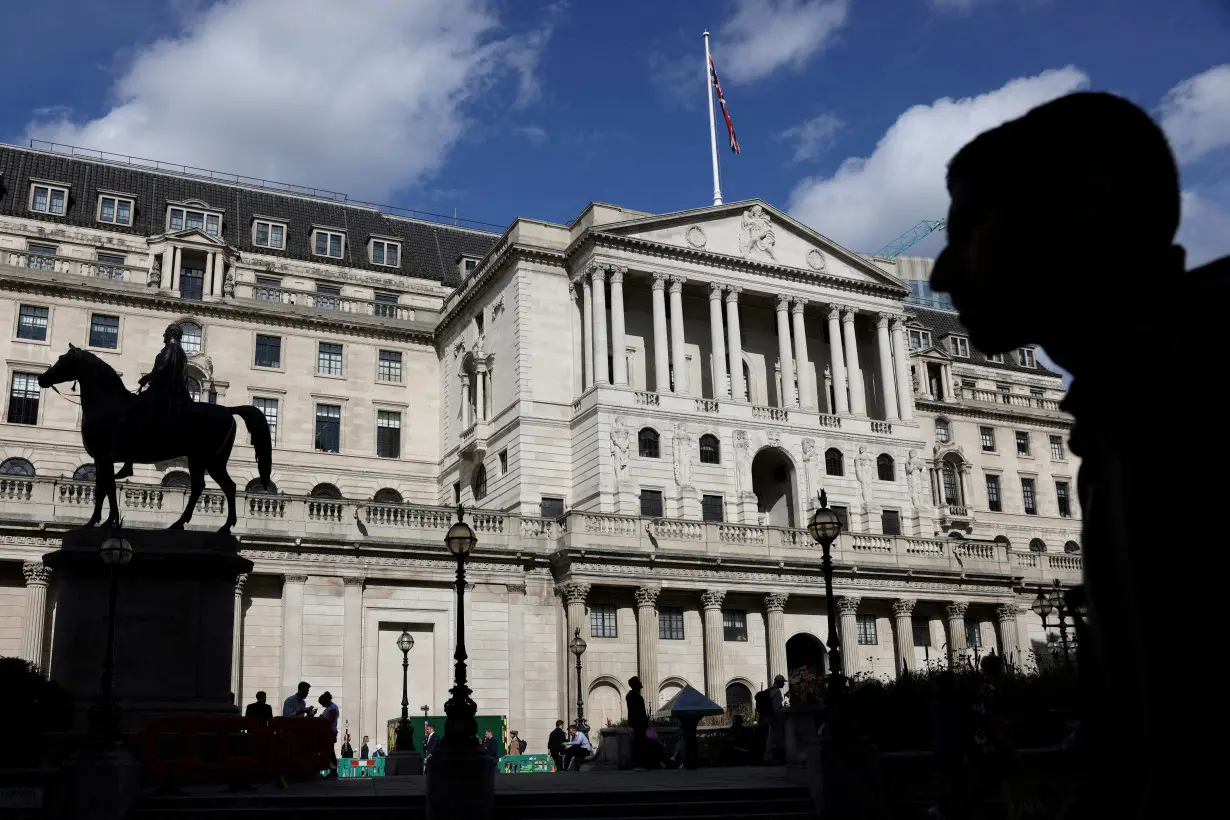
x: 114, y: 430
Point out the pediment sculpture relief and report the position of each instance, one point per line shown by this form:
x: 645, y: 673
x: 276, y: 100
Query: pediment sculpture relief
x: 757, y: 236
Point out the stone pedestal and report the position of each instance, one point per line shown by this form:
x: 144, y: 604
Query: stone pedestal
x: 175, y: 613
x: 461, y: 785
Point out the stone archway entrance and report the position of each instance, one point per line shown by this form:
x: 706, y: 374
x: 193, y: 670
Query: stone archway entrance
x: 773, y: 482
x: 805, y: 650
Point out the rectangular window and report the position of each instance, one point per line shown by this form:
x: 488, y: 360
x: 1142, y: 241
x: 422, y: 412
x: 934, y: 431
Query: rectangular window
x: 32, y: 323
x: 329, y: 428
x: 1065, y: 501
x: 104, y: 331
x: 734, y: 625
x: 48, y: 199
x: 1025, y: 357
x: 328, y: 243
x: 329, y: 359
x: 268, y: 350
x: 670, y: 623
x: 959, y: 346
x: 386, y: 305
x: 843, y: 515
x: 1003, y: 388
x: 270, y: 408
x: 987, y: 435
x: 1022, y: 443
x: 603, y: 621
x: 385, y: 253
x: 711, y: 508
x: 1057, y: 448
x: 115, y: 210
x: 41, y: 257
x: 551, y: 507
x: 973, y: 636
x: 504, y: 461
x: 997, y: 358
x: 23, y: 399
x: 269, y: 234
x: 1036, y: 393
x: 866, y: 626
x: 111, y: 266
x: 890, y: 522
x: 920, y: 339
x: 994, y: 504
x: 388, y: 434
x: 1029, y: 498
x: 326, y: 296
x: 388, y: 368
x: 651, y: 503
x: 922, y: 634
x: 268, y: 289
x: 191, y: 283
x: 213, y: 224
x: 183, y: 218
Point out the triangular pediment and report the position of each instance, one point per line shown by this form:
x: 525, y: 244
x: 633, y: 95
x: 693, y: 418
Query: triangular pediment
x: 192, y: 236
x: 933, y: 352
x: 756, y: 232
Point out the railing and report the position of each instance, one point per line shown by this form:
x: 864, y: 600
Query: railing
x: 323, y: 301
x: 707, y: 405
x: 958, y: 511
x: 648, y: 399
x: 881, y: 427
x: 1010, y: 399
x: 770, y: 413
x: 82, y: 267
x: 832, y: 422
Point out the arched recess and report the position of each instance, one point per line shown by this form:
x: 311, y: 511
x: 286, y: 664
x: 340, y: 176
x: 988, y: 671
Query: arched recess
x: 17, y: 466
x: 326, y: 491
x: 1072, y: 548
x: 86, y: 472
x: 387, y: 495
x: 255, y: 486
x: 1037, y: 545
x: 178, y: 479
x: 776, y: 487
x: 1003, y: 539
x: 755, y: 391
x: 739, y: 700
x: 805, y: 650
x: 668, y: 689
x: 605, y: 703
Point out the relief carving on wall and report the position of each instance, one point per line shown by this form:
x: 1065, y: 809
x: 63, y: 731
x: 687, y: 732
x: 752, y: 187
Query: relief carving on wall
x: 681, y: 444
x: 815, y: 260
x: 864, y: 471
x: 620, y: 442
x: 918, y: 480
x: 696, y: 236
x: 743, y: 463
x: 757, y: 233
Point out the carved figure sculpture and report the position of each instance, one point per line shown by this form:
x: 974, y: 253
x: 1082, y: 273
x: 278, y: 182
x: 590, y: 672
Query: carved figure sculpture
x: 620, y: 442
x: 743, y: 463
x: 681, y: 444
x: 155, y: 273
x: 918, y: 473
x: 864, y: 471
x: 757, y: 233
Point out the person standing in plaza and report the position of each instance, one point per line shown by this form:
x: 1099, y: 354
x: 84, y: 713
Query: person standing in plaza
x: 775, y: 747
x: 331, y: 713
x: 431, y: 742
x: 555, y: 745
x: 363, y: 750
x: 259, y: 710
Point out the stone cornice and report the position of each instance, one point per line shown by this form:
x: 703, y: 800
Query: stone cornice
x: 1059, y: 420
x: 481, y: 280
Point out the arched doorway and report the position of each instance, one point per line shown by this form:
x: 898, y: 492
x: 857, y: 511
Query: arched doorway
x: 773, y: 484
x: 805, y: 650
x: 604, y: 705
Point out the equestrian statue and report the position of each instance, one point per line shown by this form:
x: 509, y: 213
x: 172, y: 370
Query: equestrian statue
x: 161, y: 422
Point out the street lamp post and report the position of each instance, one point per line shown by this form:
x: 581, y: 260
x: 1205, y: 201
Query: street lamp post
x: 460, y: 728
x: 1043, y: 606
x: 577, y: 645
x: 1057, y: 601
x: 114, y: 552
x: 824, y: 528
x: 405, y: 735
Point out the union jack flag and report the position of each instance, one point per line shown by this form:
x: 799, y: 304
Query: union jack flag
x: 730, y: 126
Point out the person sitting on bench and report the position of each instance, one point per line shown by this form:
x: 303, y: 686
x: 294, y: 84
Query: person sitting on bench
x: 577, y: 749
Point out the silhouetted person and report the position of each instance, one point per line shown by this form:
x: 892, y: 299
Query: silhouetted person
x: 741, y: 741
x: 259, y: 710
x: 166, y: 396
x: 331, y: 713
x: 577, y: 749
x: 431, y: 742
x: 491, y: 745
x: 638, y: 719
x: 1061, y: 233
x: 364, y: 751
x: 555, y: 745
x: 775, y: 745
x: 296, y: 705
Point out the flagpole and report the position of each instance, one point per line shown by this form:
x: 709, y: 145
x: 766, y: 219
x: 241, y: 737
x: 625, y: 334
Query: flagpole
x: 717, y: 180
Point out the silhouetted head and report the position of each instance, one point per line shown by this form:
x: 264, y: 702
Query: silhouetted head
x: 634, y: 683
x: 779, y: 681
x: 325, y: 699
x: 260, y: 697
x: 487, y: 735
x: 304, y: 688
x: 559, y: 724
x: 173, y: 333
x: 992, y: 666
x: 429, y: 729
x: 1041, y: 206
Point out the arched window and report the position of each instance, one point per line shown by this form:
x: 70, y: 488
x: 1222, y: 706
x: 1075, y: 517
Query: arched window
x: 1003, y: 539
x: 255, y: 486
x: 710, y: 449
x: 943, y: 433
x: 16, y: 466
x: 834, y: 464
x: 326, y: 491
x: 479, y: 484
x: 1072, y: 548
x: 86, y: 472
x: 884, y: 466
x: 191, y: 339
x: 194, y: 388
x: 387, y: 495
x: 178, y: 479
x: 647, y: 443
x: 739, y: 700
x: 952, y: 488
x: 1037, y: 545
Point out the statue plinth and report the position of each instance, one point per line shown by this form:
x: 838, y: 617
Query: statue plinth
x: 175, y: 613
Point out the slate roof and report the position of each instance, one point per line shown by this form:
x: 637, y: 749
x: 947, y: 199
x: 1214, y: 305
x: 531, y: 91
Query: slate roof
x: 943, y: 323
x: 429, y: 250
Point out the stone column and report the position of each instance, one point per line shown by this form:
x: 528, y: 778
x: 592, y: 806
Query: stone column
x: 207, y: 285
x: 775, y: 614
x: 466, y: 420
x: 619, y: 344
x: 802, y: 367
x: 171, y: 276
x: 647, y: 642
x: 1009, y: 639
x: 717, y: 341
x: 237, y: 641
x: 903, y: 634
x: 601, y: 344
x: 578, y: 342
x: 352, y: 648
x: 574, y: 595
x: 661, y: 350
x: 957, y: 650
x: 734, y: 343
x: 516, y: 658
x: 858, y: 396
x: 785, y: 357
x: 837, y: 361
x: 888, y: 379
x: 715, y: 639
x: 587, y: 295
x: 677, y: 347
x: 847, y: 608
x: 901, y: 362
x: 480, y: 382
x: 37, y: 576
x: 292, y: 631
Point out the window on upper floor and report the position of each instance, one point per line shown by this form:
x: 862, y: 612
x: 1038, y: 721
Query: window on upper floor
x: 329, y: 359
x: 1057, y: 453
x: 920, y: 339
x: 269, y: 234
x: 115, y: 210
x: 504, y: 461
x: 734, y: 625
x: 386, y: 305
x: 958, y: 346
x: 1025, y: 357
x: 1071, y: 548
x: 24, y: 394
x: 387, y: 495
x: 834, y: 462
x: 997, y: 358
x: 328, y: 243
x: 710, y: 449
x: 268, y: 350
x: 1064, y: 498
x: 388, y: 434
x: 843, y: 515
x: 186, y: 218
x: 651, y: 503
x: 478, y: 485
x: 1003, y: 388
x: 866, y: 630
x: 327, y: 296
x: 1022, y: 443
x: 1037, y: 393
x: 268, y: 289
x: 994, y: 504
x: 41, y: 257
x: 603, y: 621
x: 711, y: 508
x: 1029, y: 496
x: 890, y: 522
x: 388, y: 367
x: 986, y: 436
x: 191, y: 337
x: 270, y: 408
x: 104, y: 331
x: 551, y: 507
x: 191, y: 282
x: 885, y: 468
x: 32, y: 322
x: 46, y: 198
x: 973, y: 636
x: 111, y: 266
x: 1037, y: 545
x: 386, y: 252
x: 648, y: 443
x: 670, y: 623
x: 943, y: 431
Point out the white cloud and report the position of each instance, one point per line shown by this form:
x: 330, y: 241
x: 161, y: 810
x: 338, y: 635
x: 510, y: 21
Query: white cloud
x: 534, y: 133
x: 812, y: 137
x: 1205, y: 228
x: 365, y: 97
x: 1196, y: 114
x: 765, y: 35
x: 870, y: 200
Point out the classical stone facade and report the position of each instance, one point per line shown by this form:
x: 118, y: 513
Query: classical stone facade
x: 639, y: 410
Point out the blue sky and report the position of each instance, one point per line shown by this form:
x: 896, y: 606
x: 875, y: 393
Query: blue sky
x: 846, y: 109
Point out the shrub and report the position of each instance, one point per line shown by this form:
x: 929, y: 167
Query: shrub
x: 36, y: 705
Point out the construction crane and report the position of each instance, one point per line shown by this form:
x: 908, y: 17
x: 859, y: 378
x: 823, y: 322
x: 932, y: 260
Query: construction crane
x: 911, y: 238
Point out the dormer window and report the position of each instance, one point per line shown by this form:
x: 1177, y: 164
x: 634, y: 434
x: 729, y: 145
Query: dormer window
x: 1025, y: 357
x: 269, y: 234
x: 997, y: 358
x: 385, y: 252
x: 920, y: 339
x: 328, y: 243
x: 958, y: 346
x: 115, y: 209
x: 46, y: 198
x: 467, y: 265
x: 187, y: 217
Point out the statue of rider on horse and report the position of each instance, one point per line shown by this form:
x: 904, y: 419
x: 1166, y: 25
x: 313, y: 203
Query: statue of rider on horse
x: 165, y: 398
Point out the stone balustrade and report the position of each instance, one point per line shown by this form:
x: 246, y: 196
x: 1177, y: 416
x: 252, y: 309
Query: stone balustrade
x: 1010, y: 399
x: 323, y: 301
x: 81, y: 267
